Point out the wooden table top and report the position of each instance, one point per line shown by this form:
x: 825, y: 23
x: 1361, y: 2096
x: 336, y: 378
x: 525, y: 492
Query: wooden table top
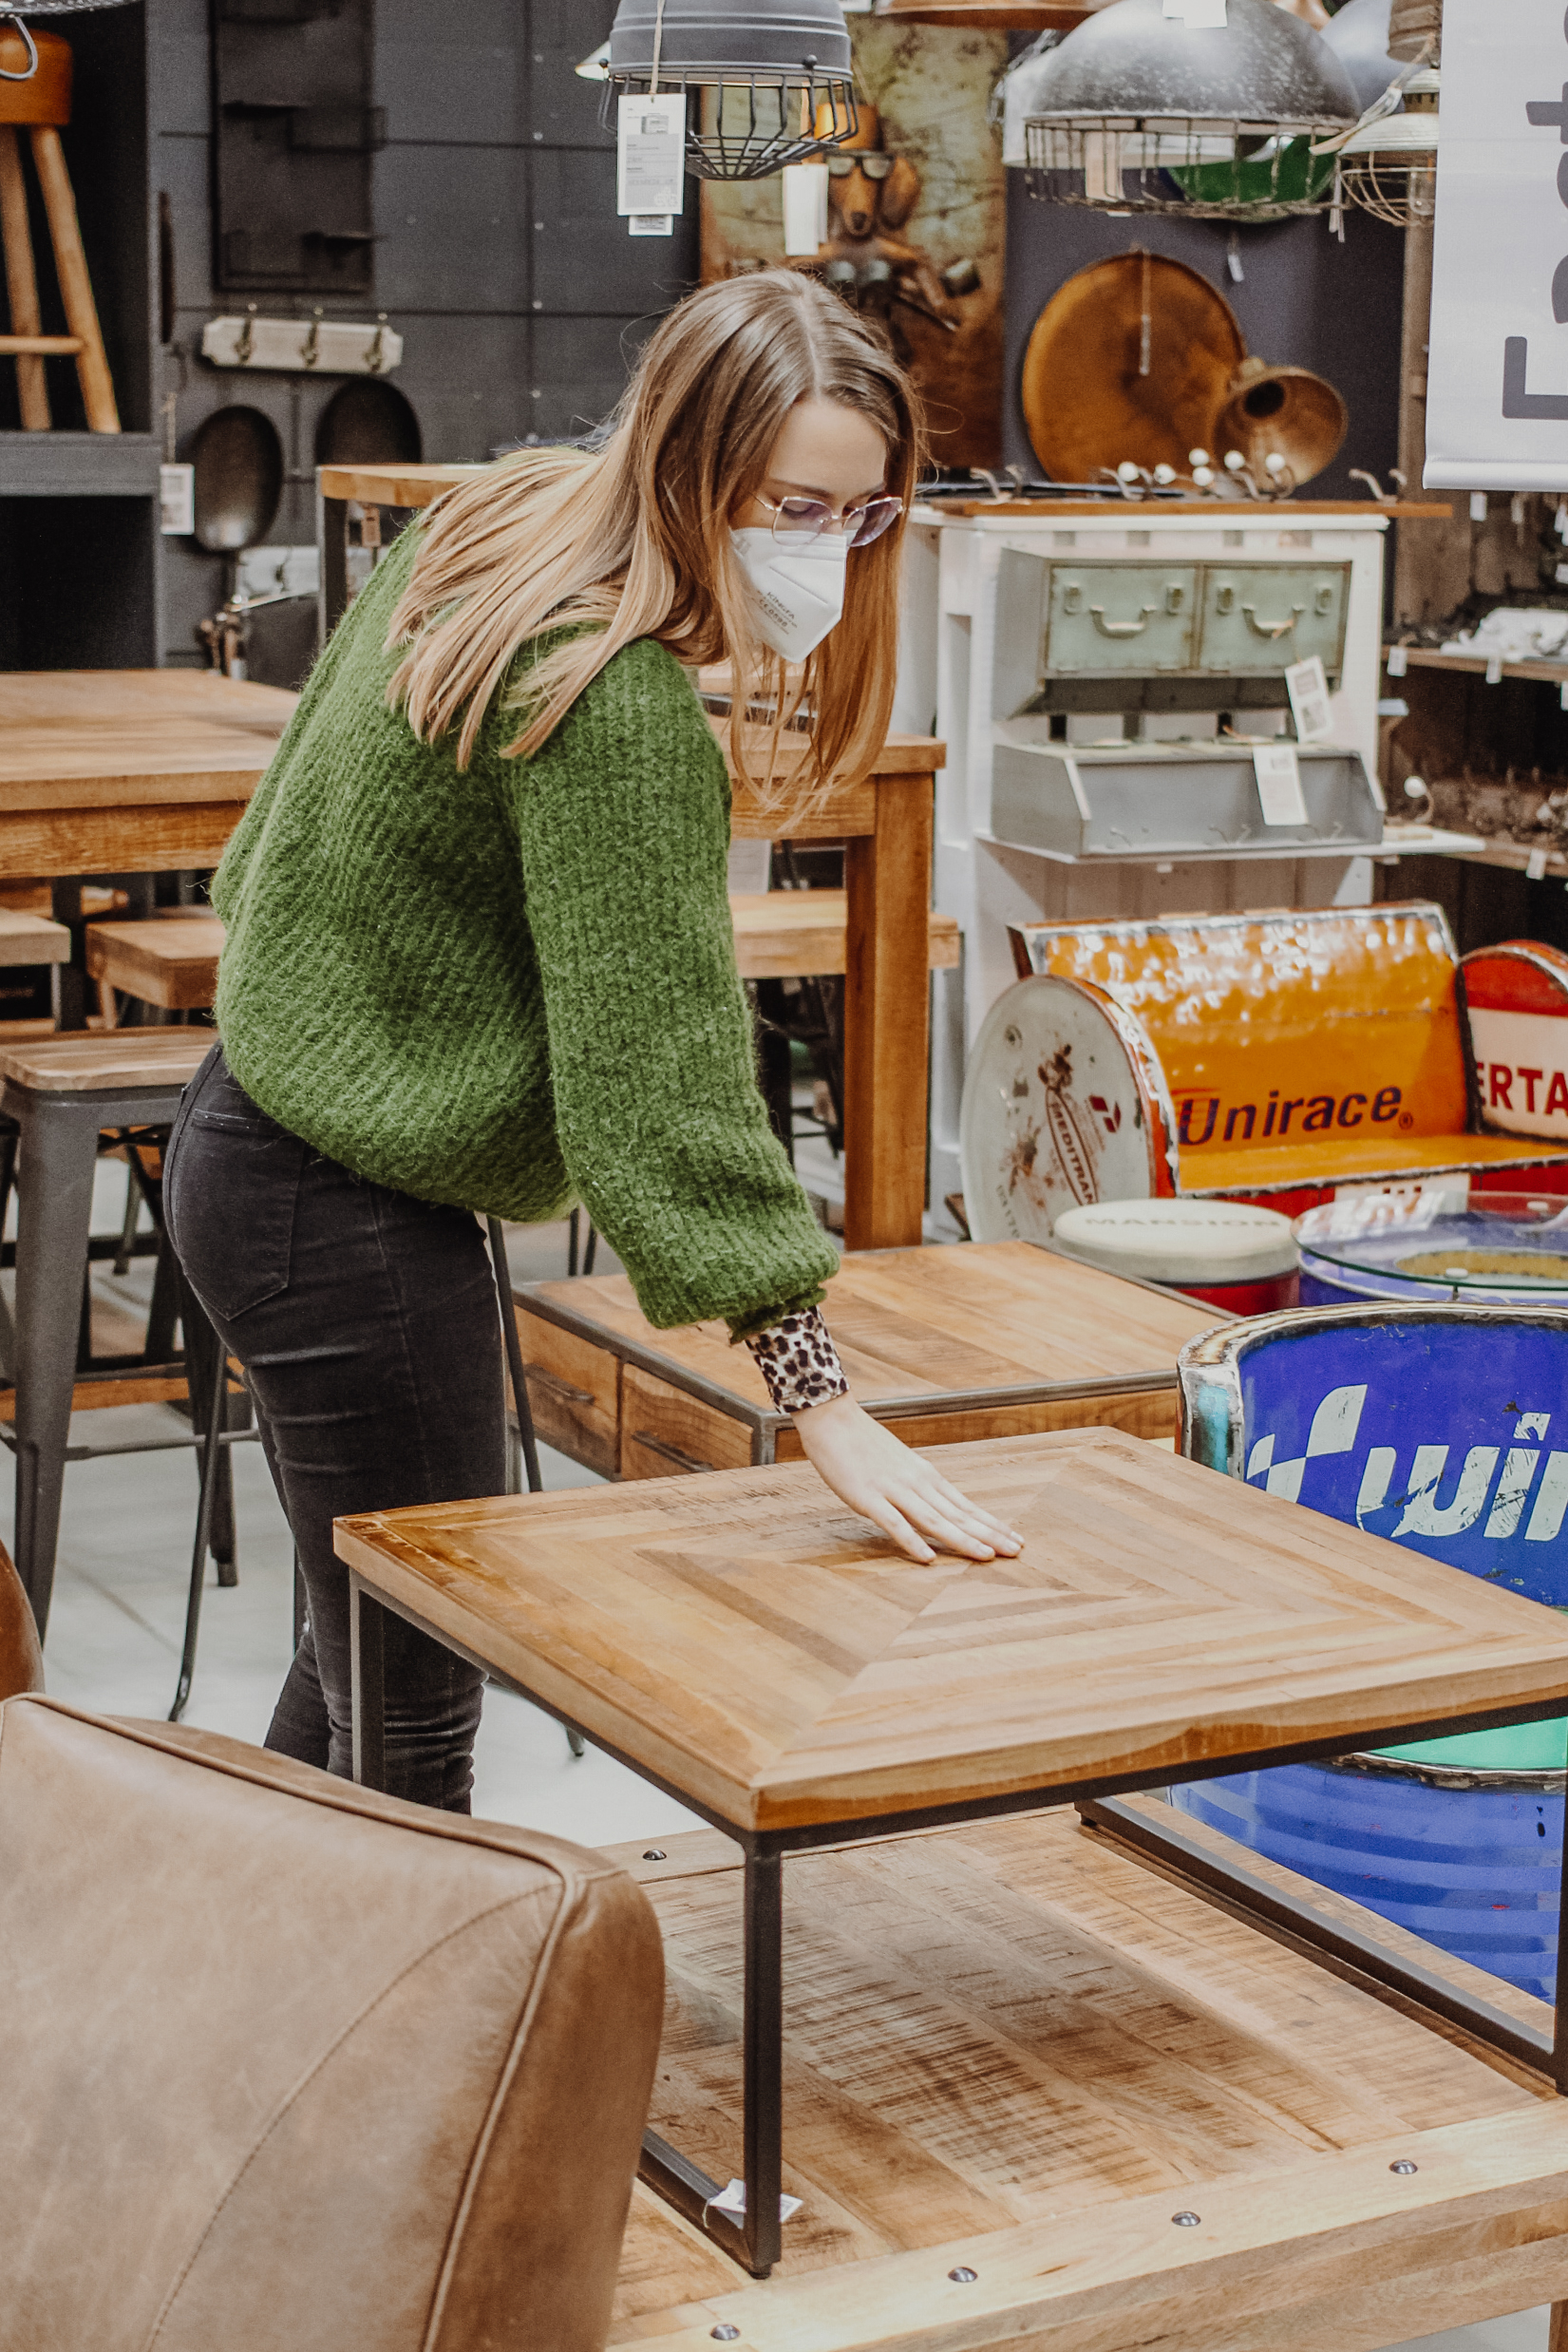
x: 927, y: 1322
x: 745, y: 1638
x: 70, y: 738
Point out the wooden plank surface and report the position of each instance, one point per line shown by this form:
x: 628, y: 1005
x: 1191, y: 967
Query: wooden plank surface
x: 1012, y: 2047
x: 1264, y: 514
x: 925, y: 1322
x: 93, y: 1059
x: 170, y: 961
x: 745, y: 1638
x: 780, y: 934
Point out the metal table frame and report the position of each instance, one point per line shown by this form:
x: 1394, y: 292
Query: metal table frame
x: 756, y: 2240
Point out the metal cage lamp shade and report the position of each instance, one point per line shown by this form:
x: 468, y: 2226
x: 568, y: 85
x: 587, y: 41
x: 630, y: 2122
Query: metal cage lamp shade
x: 766, y: 82
x: 1389, y: 168
x: 1137, y: 113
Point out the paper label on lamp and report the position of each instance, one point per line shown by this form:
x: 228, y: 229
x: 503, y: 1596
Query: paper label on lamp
x: 1307, y: 689
x: 1278, y: 773
x: 1198, y: 15
x: 804, y: 208
x: 651, y: 156
x: 650, y: 224
x: 177, y: 501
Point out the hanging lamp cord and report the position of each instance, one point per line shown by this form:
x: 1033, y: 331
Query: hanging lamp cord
x: 30, y: 46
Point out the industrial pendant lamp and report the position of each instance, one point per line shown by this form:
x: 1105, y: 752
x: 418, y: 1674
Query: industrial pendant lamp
x: 766, y: 82
x: 1143, y: 111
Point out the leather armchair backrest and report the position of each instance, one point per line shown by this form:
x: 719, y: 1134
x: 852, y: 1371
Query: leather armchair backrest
x: 292, y: 2067
x: 21, y: 1660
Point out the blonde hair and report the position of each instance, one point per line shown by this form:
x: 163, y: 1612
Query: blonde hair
x: 634, y: 541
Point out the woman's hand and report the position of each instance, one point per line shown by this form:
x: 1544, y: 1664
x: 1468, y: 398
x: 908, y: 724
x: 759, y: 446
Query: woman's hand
x: 898, y: 1490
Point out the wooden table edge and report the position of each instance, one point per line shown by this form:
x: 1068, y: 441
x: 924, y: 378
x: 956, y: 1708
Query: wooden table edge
x: 1090, y: 2270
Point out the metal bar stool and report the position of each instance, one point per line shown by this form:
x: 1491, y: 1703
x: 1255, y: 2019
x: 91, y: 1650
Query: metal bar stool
x: 62, y: 1093
x: 42, y: 104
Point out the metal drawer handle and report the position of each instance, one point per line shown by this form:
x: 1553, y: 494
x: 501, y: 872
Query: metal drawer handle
x: 1272, y: 628
x: 1120, y: 628
x: 670, y: 1453
x: 563, y: 1388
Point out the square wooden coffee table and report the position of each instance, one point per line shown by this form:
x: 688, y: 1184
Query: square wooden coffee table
x: 747, y: 1645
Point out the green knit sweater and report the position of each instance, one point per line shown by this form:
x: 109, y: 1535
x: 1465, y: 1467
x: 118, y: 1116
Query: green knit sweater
x: 512, y: 986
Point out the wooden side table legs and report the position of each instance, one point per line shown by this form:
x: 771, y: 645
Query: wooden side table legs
x: 26, y: 343
x: 887, y: 1018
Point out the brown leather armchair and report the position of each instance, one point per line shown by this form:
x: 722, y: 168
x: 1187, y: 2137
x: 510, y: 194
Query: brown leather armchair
x: 21, y: 1660
x: 293, y: 2067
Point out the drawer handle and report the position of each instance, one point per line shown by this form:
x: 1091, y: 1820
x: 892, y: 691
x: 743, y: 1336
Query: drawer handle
x: 1120, y: 628
x: 1272, y: 628
x: 670, y: 1453
x: 563, y: 1388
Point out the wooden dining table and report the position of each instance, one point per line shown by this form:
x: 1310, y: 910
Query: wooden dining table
x: 113, y: 772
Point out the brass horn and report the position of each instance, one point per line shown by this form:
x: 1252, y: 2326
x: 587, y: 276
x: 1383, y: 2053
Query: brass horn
x: 1283, y: 420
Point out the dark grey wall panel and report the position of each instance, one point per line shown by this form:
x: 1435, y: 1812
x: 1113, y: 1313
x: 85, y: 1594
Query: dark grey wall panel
x: 468, y: 381
x: 455, y: 228
x: 580, y: 367
x: 565, y: 108
x: 181, y: 171
x: 458, y: 74
x: 177, y: 65
x: 586, y: 259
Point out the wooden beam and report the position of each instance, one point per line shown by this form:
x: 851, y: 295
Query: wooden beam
x: 887, y: 1019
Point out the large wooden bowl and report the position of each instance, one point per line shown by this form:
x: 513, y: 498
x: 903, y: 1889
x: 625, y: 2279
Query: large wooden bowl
x: 1088, y: 403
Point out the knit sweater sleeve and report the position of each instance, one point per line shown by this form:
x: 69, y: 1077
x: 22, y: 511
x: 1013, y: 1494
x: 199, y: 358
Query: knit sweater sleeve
x: 623, y: 826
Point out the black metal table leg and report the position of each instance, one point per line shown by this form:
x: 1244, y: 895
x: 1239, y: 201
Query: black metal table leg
x: 368, y: 1684
x: 764, y: 2031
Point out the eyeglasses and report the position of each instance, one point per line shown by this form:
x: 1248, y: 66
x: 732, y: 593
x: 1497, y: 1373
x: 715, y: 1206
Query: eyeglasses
x: 808, y: 518
x: 873, y: 166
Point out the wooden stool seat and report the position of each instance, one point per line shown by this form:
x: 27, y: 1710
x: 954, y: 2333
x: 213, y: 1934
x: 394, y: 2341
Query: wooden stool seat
x: 32, y: 938
x: 783, y: 935
x: 171, y: 962
x: 87, y: 1062
x: 42, y: 104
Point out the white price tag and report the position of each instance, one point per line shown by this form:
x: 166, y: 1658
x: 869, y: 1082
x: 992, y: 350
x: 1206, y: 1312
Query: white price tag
x: 1307, y: 689
x: 176, y: 499
x: 804, y: 208
x: 1278, y: 773
x: 650, y: 224
x: 1535, y: 867
x: 1396, y: 663
x: 1202, y: 15
x: 651, y: 157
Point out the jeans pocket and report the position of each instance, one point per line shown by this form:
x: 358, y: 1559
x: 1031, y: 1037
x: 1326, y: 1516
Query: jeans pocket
x: 230, y: 1188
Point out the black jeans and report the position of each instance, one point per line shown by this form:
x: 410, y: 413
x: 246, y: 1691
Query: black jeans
x: 369, y: 1327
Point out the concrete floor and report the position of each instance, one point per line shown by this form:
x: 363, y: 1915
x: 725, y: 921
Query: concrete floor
x: 118, y: 1614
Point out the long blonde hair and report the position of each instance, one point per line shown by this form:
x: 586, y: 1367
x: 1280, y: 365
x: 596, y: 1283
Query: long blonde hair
x: 634, y: 541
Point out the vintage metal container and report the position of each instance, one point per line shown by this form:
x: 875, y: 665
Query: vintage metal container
x: 1257, y: 617
x: 1185, y: 799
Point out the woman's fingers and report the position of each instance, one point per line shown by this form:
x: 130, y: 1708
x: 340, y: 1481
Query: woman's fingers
x: 883, y: 1514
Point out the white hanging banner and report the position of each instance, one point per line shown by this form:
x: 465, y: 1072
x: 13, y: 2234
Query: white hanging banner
x: 1497, y: 384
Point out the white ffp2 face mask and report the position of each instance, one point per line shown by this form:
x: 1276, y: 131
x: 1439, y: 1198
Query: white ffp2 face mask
x: 799, y: 584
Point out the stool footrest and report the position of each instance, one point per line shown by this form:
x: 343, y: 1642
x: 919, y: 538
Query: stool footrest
x: 41, y: 346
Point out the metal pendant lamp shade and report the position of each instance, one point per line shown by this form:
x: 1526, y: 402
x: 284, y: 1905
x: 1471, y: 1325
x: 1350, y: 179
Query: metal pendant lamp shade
x: 1388, y: 168
x: 1138, y: 112
x: 766, y: 82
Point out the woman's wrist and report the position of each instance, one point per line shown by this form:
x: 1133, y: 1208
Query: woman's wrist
x: 798, y: 1359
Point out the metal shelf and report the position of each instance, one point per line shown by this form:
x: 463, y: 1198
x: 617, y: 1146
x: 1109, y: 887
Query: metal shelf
x: 78, y: 464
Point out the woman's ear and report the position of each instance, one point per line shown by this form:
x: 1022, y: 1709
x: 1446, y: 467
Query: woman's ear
x: 900, y: 193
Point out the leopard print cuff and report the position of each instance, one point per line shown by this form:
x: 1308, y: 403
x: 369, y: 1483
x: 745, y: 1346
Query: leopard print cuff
x: 799, y: 1362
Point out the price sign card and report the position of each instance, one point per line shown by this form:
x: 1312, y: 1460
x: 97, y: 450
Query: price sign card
x: 651, y: 156
x: 1278, y: 773
x: 1307, y: 689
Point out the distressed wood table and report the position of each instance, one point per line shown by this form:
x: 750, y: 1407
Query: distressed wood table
x: 885, y: 824
x: 945, y: 1345
x: 125, y: 772
x: 746, y: 1645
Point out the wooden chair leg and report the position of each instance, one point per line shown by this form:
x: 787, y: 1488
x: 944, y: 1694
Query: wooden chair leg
x: 22, y: 282
x: 1557, y: 2339
x: 71, y: 263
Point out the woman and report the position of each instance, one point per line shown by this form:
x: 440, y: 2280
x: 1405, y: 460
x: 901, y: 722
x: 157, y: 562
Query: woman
x: 479, y: 958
